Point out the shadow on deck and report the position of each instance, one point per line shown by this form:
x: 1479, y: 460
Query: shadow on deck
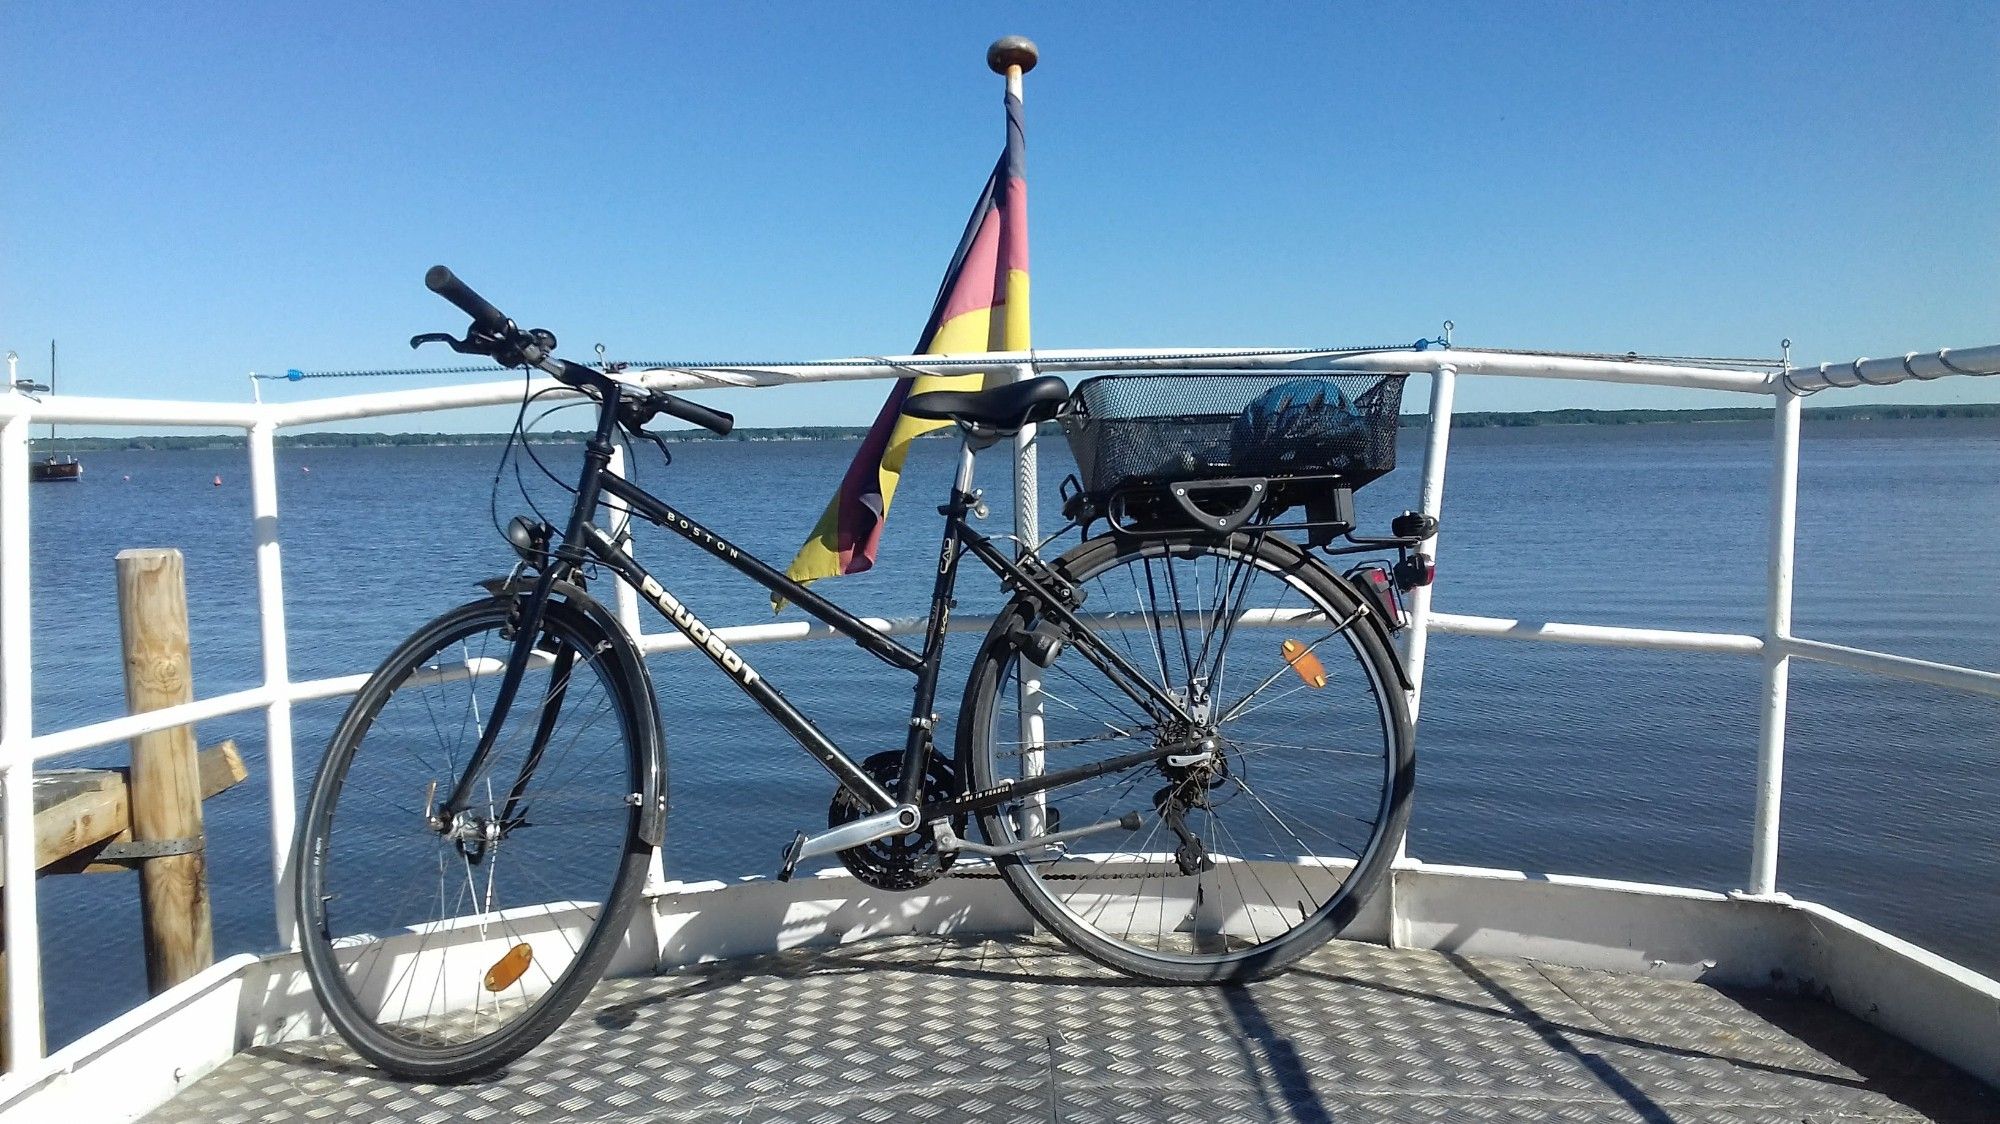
x: 925, y: 1028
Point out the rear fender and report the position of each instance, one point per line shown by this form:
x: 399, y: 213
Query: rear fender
x: 573, y: 598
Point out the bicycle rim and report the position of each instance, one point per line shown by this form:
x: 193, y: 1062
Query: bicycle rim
x: 443, y: 953
x: 1294, y: 785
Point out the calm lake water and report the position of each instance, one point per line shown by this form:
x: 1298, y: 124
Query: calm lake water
x: 1634, y: 765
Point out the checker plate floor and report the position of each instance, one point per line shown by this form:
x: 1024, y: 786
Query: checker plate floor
x: 1022, y: 1030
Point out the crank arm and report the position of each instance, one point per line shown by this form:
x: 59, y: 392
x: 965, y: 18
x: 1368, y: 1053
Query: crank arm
x: 899, y: 820
x: 948, y: 840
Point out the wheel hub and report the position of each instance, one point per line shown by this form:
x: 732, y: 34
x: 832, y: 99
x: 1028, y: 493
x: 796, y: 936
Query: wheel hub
x: 1192, y: 757
x: 475, y: 835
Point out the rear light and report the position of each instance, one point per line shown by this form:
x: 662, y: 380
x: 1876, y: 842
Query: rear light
x: 1379, y: 590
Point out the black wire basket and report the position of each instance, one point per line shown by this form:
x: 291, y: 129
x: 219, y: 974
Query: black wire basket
x: 1142, y: 431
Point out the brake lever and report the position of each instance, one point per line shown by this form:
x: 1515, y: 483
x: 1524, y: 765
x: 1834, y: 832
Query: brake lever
x: 633, y: 414
x: 665, y: 454
x: 462, y: 346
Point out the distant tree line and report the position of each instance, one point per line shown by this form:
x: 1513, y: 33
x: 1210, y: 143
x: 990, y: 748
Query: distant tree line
x: 1484, y: 419
x: 1480, y: 419
x: 374, y: 440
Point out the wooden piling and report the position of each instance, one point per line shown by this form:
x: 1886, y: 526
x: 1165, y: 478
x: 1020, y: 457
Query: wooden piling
x: 165, y: 790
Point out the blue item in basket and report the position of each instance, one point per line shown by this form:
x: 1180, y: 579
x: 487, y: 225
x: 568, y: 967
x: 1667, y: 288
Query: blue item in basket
x: 1301, y: 424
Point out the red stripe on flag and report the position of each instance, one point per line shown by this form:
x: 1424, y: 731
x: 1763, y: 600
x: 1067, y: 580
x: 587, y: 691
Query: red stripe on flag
x: 975, y: 286
x: 1014, y: 225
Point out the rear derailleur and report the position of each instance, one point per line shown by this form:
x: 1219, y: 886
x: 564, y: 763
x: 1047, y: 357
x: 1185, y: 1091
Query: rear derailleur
x: 1173, y: 803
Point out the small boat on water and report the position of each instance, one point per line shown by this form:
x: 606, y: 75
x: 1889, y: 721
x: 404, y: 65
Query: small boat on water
x: 54, y: 469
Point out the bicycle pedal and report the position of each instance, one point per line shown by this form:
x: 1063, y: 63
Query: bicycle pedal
x: 793, y: 851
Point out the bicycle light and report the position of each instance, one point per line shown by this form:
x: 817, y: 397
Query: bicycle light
x: 1382, y: 590
x: 530, y: 539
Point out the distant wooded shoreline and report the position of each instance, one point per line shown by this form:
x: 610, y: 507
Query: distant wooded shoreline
x: 1467, y: 420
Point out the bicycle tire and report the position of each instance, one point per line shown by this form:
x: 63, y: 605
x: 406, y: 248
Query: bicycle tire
x: 1082, y: 893
x: 359, y: 996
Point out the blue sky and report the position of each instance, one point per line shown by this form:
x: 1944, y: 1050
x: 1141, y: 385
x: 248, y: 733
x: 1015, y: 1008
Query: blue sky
x: 195, y: 191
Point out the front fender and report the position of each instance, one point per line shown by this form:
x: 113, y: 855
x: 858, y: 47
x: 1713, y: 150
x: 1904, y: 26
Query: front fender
x: 619, y: 646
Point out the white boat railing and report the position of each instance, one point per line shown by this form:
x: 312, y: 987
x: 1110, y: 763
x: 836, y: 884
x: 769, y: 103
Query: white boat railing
x: 21, y: 748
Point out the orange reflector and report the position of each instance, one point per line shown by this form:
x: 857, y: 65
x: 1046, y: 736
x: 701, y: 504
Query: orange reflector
x: 1305, y: 663
x: 510, y: 968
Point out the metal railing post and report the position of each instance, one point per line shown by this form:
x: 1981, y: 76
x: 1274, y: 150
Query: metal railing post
x: 1437, y: 443
x: 625, y: 599
x: 24, y: 948
x: 625, y: 602
x: 1777, y: 631
x: 1028, y: 529
x: 277, y: 675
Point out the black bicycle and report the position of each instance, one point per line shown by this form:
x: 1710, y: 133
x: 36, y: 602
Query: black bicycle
x: 1186, y: 740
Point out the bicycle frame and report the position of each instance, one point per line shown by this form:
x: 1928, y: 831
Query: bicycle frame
x: 586, y: 541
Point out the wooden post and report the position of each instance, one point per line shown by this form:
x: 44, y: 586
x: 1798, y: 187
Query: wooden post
x: 166, y: 785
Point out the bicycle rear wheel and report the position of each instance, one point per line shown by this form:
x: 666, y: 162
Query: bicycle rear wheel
x: 1265, y: 824
x: 443, y: 951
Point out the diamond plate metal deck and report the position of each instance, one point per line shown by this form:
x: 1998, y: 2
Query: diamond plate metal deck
x: 928, y: 1029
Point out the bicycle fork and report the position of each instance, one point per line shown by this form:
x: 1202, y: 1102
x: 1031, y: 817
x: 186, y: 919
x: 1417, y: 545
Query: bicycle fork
x: 528, y: 629
x: 597, y: 455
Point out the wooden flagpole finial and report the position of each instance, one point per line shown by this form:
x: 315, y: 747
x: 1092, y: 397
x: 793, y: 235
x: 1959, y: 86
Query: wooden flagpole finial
x: 1012, y: 51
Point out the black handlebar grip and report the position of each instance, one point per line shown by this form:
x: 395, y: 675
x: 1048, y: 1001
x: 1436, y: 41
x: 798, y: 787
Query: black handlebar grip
x: 446, y: 284
x: 715, y: 421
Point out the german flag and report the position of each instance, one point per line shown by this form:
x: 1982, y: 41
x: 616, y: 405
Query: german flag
x: 982, y: 305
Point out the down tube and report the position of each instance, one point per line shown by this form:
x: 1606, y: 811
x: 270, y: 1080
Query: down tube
x: 740, y: 672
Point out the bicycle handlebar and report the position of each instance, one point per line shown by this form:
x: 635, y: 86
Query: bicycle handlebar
x: 715, y: 421
x: 446, y: 284
x: 495, y: 335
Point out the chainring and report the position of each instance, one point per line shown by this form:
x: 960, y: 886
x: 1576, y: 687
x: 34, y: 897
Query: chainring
x: 899, y: 862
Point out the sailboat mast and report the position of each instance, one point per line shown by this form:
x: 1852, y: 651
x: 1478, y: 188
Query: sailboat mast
x: 52, y: 383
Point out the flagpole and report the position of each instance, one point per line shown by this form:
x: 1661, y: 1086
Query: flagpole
x: 1012, y: 57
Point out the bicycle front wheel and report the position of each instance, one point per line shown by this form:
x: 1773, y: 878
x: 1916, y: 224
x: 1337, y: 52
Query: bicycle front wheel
x: 1266, y: 814
x: 444, y: 949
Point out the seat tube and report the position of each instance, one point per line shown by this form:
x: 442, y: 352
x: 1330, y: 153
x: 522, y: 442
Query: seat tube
x: 909, y: 788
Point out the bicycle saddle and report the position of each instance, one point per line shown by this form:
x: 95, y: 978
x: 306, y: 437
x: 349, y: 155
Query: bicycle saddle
x: 1000, y: 409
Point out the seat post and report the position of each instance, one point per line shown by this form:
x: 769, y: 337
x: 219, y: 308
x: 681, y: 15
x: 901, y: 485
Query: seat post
x: 963, y: 483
